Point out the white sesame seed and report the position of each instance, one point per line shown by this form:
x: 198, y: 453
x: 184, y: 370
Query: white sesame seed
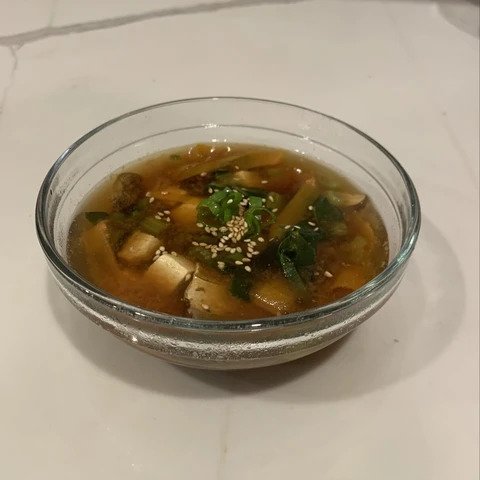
x: 239, y: 249
x: 275, y: 210
x: 286, y: 227
x: 162, y: 249
x: 188, y: 276
x: 205, y: 307
x: 203, y: 174
x: 173, y: 254
x: 316, y: 229
x: 249, y: 255
x: 214, y: 254
x: 260, y: 239
x: 270, y: 198
x: 167, y: 219
x: 195, y: 244
x: 312, y: 224
x: 310, y: 207
x: 151, y: 200
x: 230, y: 201
x: 199, y: 225
x: 255, y: 253
x: 148, y: 194
x: 328, y: 274
x: 247, y: 268
x: 166, y: 212
x: 238, y: 262
x: 264, y: 181
x: 221, y: 265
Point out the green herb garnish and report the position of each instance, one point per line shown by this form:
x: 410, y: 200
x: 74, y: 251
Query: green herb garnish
x: 241, y: 284
x: 257, y: 216
x: 219, y: 207
x: 297, y: 251
x: 153, y: 226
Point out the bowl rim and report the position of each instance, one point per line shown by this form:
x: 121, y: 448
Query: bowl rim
x: 158, y: 318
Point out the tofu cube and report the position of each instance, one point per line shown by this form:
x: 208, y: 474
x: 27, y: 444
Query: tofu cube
x: 139, y: 248
x: 185, y: 215
x: 168, y: 273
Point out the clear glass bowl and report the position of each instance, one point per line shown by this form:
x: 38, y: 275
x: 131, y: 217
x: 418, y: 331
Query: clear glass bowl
x: 232, y: 344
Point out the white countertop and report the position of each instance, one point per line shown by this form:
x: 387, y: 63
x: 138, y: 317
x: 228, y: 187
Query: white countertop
x: 397, y: 399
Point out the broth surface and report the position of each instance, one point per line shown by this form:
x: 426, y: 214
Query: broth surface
x: 227, y: 231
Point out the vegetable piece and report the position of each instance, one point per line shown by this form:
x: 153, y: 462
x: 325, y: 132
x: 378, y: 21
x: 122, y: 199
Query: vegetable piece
x: 275, y: 200
x: 126, y: 190
x: 220, y: 207
x: 257, y: 216
x: 101, y: 261
x: 324, y: 211
x: 168, y: 273
x: 208, y: 297
x: 241, y: 284
x: 185, y: 215
x: 358, y: 249
x: 95, y: 217
x: 295, y: 209
x: 343, y: 199
x: 139, y: 248
x: 297, y: 251
x: 153, y: 226
x: 171, y: 195
x: 244, y: 161
x: 274, y: 295
x: 337, y: 229
x: 242, y: 178
x: 187, y: 171
x: 261, y: 158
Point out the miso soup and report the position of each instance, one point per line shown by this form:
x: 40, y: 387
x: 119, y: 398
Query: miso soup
x: 227, y: 232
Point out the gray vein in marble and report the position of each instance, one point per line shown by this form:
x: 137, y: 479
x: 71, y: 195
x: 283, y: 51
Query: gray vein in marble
x: 20, y: 39
x: 3, y: 98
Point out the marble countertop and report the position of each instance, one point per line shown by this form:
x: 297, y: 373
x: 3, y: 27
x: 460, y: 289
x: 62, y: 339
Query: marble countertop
x: 397, y: 399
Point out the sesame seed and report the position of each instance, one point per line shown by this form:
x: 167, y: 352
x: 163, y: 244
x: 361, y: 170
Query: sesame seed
x: 255, y: 253
x: 286, y: 227
x: 221, y: 265
x: 238, y: 262
x: 195, y: 244
x: 275, y: 210
x: 151, y: 200
x: 247, y: 268
x: 199, y: 225
x: 166, y: 212
x: 236, y: 167
x: 174, y: 254
x: 162, y: 249
x: 167, y: 219
x: 148, y: 194
x: 260, y: 239
x: 245, y: 259
x: 210, y: 190
x: 239, y: 249
x: 160, y: 214
x: 328, y: 274
x: 230, y: 201
x: 205, y: 307
x: 249, y: 255
x: 203, y: 174
x: 264, y: 181
x: 214, y: 254
x: 311, y: 224
x: 247, y: 240
x: 316, y: 229
x: 310, y: 207
x: 270, y: 198
x: 188, y: 276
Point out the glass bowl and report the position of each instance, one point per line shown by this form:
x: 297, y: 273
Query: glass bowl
x: 227, y: 344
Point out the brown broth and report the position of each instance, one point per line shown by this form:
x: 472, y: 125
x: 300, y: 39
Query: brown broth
x: 354, y: 250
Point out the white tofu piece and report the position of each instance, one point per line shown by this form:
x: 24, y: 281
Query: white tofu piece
x: 139, y: 248
x: 168, y: 273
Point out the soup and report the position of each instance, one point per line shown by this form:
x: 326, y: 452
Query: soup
x: 227, y: 232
